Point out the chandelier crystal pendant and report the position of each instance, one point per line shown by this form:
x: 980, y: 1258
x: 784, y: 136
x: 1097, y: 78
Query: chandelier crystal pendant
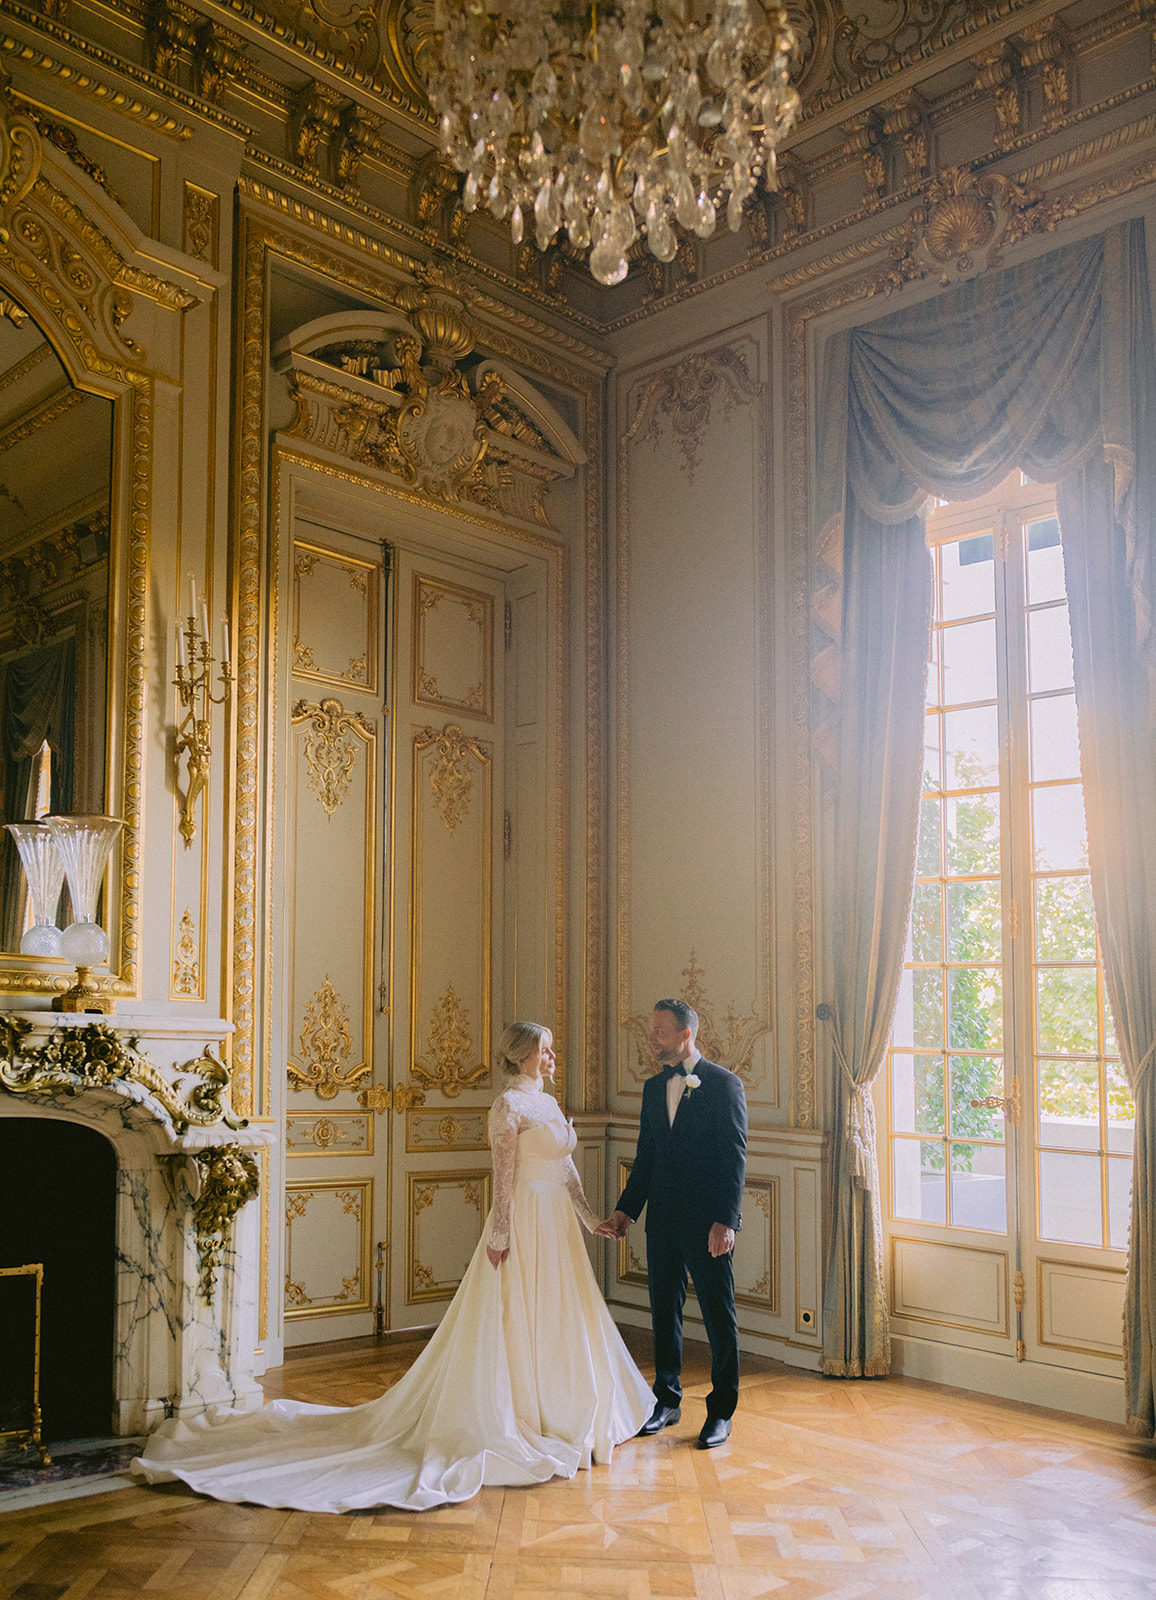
x: 612, y: 120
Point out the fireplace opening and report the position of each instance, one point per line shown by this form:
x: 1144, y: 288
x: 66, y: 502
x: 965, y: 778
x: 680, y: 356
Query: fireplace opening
x: 58, y: 1207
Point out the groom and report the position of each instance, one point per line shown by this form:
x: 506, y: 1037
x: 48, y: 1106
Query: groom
x: 688, y: 1173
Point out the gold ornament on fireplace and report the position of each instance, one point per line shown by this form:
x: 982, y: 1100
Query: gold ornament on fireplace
x: 228, y: 1177
x: 96, y: 1057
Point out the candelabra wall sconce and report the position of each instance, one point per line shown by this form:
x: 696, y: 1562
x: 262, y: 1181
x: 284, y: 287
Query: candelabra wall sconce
x: 193, y: 684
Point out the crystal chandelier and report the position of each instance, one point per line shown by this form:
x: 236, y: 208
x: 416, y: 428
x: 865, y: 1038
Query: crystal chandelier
x: 611, y: 118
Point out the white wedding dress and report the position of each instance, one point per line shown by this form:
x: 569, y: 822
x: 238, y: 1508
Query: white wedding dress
x: 525, y: 1379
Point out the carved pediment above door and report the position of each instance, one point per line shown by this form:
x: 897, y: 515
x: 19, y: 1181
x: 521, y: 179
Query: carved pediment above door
x: 405, y: 392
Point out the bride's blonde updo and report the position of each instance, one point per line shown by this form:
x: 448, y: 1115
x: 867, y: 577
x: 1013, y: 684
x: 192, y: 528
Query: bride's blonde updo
x: 517, y: 1043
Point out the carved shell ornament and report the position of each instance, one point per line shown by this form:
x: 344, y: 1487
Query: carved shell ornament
x: 965, y: 223
x: 958, y: 226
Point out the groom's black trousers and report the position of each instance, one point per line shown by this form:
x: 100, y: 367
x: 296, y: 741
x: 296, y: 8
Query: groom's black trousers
x: 670, y: 1253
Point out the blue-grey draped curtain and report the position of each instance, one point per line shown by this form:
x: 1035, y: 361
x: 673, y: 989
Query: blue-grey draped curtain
x: 1047, y: 366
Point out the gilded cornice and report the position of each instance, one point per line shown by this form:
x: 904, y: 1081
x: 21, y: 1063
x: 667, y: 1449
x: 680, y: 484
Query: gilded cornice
x: 497, y: 316
x: 276, y: 197
x: 1072, y: 200
x: 95, y: 88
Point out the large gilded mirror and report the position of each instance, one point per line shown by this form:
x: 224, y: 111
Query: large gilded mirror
x: 56, y: 443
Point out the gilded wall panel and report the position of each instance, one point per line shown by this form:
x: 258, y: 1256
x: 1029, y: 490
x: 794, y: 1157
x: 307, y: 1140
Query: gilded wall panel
x: 630, y: 1254
x: 332, y: 789
x: 453, y: 647
x: 444, y: 1216
x: 693, y: 763
x: 333, y: 1133
x: 459, y: 1129
x: 334, y: 618
x: 328, y: 1231
x: 757, y: 1261
x: 452, y: 874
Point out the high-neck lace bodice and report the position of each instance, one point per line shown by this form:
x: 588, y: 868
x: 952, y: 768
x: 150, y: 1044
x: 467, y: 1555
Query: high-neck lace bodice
x: 531, y: 1140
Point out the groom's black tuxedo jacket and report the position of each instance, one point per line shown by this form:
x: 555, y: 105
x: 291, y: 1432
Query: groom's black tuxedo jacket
x: 691, y: 1174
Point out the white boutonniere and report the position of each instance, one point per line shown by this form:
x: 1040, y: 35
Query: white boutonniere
x: 692, y: 1082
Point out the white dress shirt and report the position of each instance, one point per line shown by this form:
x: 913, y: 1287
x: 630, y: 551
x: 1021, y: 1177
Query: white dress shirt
x: 676, y: 1083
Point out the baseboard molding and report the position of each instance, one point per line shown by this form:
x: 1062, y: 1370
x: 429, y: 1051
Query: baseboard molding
x: 756, y: 1344
x: 1084, y: 1394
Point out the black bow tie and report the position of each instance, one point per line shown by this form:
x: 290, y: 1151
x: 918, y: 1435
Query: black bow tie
x: 679, y: 1067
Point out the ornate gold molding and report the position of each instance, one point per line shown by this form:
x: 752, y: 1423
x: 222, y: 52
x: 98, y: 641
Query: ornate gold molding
x: 324, y: 1045
x: 449, y: 1046
x: 330, y: 755
x: 965, y: 223
x: 186, y: 981
x: 201, y: 224
x: 428, y: 594
x: 421, y: 1189
x: 355, y: 1198
x: 95, y: 88
x: 97, y: 1056
x: 686, y: 394
x: 228, y: 1178
x: 452, y: 775
x: 730, y: 1041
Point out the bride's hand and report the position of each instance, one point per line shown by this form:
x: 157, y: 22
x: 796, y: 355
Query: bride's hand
x: 496, y: 1256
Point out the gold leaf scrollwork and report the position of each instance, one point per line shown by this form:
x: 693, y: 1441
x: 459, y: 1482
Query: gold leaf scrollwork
x: 96, y: 1057
x: 330, y: 754
x: 186, y: 967
x: 449, y: 1046
x: 686, y: 394
x: 451, y: 775
x: 730, y: 1042
x: 228, y: 1177
x: 324, y: 1045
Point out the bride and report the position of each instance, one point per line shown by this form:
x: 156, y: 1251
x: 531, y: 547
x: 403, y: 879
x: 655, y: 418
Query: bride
x: 525, y: 1378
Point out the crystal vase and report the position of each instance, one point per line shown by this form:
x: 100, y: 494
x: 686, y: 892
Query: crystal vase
x: 84, y: 844
x: 44, y: 872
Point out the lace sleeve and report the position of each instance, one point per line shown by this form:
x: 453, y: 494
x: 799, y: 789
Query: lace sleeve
x: 504, y: 1148
x: 578, y: 1198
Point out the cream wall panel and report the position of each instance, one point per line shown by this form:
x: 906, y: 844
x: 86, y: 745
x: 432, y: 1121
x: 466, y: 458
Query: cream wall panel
x: 693, y: 850
x: 960, y: 1286
x: 332, y: 798
x: 334, y: 618
x: 453, y: 647
x: 757, y: 1247
x: 445, y: 1212
x: 336, y: 1133
x: 458, y: 1129
x: 450, y: 899
x: 1081, y: 1308
x: 328, y: 1231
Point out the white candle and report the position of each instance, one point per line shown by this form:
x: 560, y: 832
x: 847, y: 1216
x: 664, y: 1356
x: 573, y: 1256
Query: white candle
x: 182, y: 659
x: 192, y: 595
x: 225, y: 640
x: 204, y: 622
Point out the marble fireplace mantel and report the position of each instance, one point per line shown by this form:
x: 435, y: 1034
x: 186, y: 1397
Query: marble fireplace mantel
x: 188, y: 1267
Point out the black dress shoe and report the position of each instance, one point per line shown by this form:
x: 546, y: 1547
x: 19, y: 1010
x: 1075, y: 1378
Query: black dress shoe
x: 658, y: 1419
x: 715, y: 1430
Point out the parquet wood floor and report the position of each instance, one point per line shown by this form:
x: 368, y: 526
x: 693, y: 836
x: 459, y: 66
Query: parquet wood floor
x: 886, y: 1489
